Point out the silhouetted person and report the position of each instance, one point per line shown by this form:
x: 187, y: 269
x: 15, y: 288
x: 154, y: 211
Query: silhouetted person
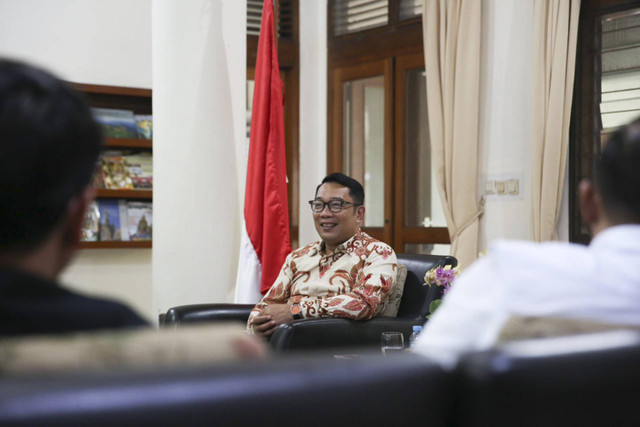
x: 49, y: 144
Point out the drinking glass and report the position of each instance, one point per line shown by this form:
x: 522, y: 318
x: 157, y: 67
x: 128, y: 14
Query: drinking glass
x: 392, y: 343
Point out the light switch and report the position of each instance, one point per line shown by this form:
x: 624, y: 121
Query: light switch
x: 504, y: 186
x: 490, y: 187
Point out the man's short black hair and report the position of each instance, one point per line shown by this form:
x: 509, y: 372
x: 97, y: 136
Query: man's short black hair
x: 355, y: 188
x: 617, y: 174
x: 49, y: 144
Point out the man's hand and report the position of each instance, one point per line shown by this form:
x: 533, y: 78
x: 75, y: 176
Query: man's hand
x: 280, y: 313
x: 266, y: 322
x: 263, y: 325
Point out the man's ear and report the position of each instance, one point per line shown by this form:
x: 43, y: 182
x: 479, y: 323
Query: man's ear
x: 360, y: 215
x: 72, y: 227
x: 590, y: 203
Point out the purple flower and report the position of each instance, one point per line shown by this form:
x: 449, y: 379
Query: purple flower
x: 440, y: 276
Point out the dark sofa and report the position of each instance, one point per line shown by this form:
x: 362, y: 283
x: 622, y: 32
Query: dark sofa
x: 327, y: 333
x: 585, y: 380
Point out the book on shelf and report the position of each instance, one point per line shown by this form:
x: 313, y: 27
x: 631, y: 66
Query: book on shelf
x: 113, y: 220
x: 144, y: 125
x: 97, y: 179
x: 140, y: 169
x: 116, y: 123
x: 115, y: 174
x: 140, y: 216
x: 91, y: 224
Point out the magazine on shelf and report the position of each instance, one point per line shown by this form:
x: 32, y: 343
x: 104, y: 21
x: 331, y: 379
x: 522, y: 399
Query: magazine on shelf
x: 91, y: 224
x: 140, y: 169
x: 115, y: 174
x: 140, y: 220
x: 113, y: 220
x: 116, y: 123
x: 144, y: 125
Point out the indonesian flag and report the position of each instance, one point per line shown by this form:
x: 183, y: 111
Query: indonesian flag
x: 265, y: 235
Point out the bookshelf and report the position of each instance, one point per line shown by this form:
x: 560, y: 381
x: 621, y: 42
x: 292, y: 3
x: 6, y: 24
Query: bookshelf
x: 135, y: 244
x: 101, y: 193
x: 122, y: 98
x: 128, y: 143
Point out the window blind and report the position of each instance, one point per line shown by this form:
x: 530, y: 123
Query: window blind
x: 254, y: 16
x: 350, y: 16
x: 284, y: 18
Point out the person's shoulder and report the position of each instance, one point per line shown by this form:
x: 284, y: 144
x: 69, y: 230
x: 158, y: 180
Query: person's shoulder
x: 374, y: 246
x: 309, y: 250
x: 370, y: 241
x: 102, y: 312
x: 521, y: 261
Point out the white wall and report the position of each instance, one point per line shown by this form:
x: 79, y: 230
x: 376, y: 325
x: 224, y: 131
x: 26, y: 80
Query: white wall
x: 199, y: 73
x: 100, y: 42
x: 505, y: 117
x: 85, y: 41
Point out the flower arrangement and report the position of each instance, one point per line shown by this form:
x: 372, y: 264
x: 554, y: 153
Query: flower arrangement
x: 443, y: 277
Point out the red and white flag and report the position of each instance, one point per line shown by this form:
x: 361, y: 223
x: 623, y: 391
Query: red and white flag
x: 265, y: 235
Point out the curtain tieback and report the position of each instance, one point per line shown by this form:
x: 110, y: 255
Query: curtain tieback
x: 470, y: 221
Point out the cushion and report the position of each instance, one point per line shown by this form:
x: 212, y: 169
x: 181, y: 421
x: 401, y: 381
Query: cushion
x: 129, y: 349
x: 530, y: 327
x: 393, y: 302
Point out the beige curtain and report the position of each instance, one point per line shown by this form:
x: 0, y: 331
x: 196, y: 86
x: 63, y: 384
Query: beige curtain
x: 554, y: 55
x: 452, y: 58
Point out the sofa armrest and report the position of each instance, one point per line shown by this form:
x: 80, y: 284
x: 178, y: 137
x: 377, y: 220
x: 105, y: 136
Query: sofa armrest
x: 195, y: 313
x: 324, y: 333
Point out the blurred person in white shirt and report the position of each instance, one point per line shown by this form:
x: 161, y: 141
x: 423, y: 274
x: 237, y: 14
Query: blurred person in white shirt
x: 599, y: 283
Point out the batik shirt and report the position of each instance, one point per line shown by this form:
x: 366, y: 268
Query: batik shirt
x: 353, y: 281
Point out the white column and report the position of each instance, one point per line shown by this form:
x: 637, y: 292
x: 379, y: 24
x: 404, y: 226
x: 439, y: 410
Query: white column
x: 313, y: 109
x: 505, y: 118
x: 199, y: 72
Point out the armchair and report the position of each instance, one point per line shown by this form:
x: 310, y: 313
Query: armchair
x: 322, y: 333
x: 581, y: 380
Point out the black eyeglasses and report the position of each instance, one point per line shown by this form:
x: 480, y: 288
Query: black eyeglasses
x: 335, y: 206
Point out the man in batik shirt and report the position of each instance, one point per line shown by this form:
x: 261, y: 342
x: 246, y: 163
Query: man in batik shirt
x: 347, y: 274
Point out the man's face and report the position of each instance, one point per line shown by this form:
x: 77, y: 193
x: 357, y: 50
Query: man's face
x: 336, y: 228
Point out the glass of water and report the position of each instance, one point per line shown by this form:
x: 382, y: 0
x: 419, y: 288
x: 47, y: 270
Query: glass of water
x: 392, y: 343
